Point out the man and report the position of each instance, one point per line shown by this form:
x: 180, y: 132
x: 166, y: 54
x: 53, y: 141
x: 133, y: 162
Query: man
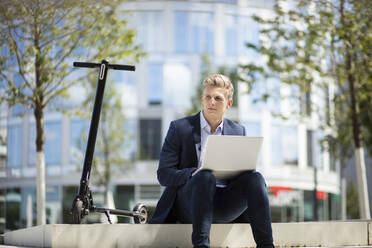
x: 200, y: 199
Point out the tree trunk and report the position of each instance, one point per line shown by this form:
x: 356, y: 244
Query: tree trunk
x: 40, y: 162
x: 362, y: 184
x: 356, y: 125
x: 357, y: 135
x: 343, y: 194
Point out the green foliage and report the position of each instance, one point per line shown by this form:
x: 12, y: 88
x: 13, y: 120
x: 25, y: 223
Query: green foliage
x: 316, y: 46
x: 352, y: 202
x: 40, y: 39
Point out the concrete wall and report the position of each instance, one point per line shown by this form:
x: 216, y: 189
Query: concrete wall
x: 321, y: 234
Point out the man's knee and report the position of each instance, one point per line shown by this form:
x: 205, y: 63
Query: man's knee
x: 204, y: 178
x: 254, y: 180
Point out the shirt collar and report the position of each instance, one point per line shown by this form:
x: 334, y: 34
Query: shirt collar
x: 204, y: 124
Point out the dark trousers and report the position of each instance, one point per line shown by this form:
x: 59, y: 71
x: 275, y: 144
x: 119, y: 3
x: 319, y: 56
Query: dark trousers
x: 244, y: 200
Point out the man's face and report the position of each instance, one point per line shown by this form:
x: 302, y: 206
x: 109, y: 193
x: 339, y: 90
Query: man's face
x: 215, y: 102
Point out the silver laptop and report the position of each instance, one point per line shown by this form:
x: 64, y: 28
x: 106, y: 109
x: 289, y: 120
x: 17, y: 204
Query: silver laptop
x: 227, y: 156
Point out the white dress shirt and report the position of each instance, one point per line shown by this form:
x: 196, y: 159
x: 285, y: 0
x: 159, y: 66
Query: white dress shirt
x: 205, y: 130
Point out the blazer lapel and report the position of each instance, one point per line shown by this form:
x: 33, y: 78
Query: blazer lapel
x: 195, y: 125
x: 226, y: 128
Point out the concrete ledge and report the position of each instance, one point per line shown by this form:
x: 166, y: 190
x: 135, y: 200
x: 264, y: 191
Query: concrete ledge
x: 325, y: 234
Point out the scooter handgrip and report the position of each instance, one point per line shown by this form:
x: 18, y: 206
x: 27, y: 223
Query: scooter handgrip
x: 86, y: 64
x: 122, y: 67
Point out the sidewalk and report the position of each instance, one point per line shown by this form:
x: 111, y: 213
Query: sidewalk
x: 304, y: 234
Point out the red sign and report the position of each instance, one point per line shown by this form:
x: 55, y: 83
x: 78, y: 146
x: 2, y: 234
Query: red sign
x: 277, y: 189
x: 321, y: 195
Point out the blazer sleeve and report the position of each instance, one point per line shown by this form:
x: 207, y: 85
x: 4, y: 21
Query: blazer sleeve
x: 169, y: 173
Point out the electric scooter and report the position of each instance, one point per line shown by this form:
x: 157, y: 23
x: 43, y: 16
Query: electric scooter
x: 83, y: 202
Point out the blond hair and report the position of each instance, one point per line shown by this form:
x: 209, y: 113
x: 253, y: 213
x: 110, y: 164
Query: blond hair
x: 219, y: 80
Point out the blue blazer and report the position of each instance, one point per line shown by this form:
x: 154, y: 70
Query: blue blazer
x: 178, y: 159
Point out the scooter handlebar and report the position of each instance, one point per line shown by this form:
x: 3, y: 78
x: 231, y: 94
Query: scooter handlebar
x: 111, y: 66
x: 122, y: 67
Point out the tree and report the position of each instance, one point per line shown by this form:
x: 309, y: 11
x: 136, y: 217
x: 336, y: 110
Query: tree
x: 352, y: 201
x: 320, y: 44
x: 39, y: 40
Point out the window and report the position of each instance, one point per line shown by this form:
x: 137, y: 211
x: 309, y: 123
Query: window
x: 53, y: 143
x: 290, y: 145
x: 149, y: 192
x: 193, y: 32
x: 306, y: 104
x: 68, y: 195
x: 284, y: 145
x: 332, y: 160
x: 124, y: 199
x: 294, y: 103
x: 28, y: 205
x: 231, y: 40
x: 177, y: 81
x: 310, y: 148
x: 77, y: 140
x: 181, y: 32
x: 150, y: 30
x: 276, y: 145
x: 150, y: 138
x: 248, y: 33
x: 155, y: 83
x: 274, y: 101
x: 13, y: 209
x: 14, y: 146
x: 318, y: 148
x: 53, y: 204
x: 123, y: 77
x: 255, y: 103
x: 52, y: 146
x: 314, y: 148
x: 252, y: 128
x: 129, y: 146
x: 31, y: 144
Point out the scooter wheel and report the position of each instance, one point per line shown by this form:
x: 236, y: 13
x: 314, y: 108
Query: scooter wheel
x: 142, y: 209
x: 77, y: 211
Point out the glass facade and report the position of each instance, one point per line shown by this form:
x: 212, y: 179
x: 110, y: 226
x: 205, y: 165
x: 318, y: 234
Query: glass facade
x: 130, y: 143
x: 248, y: 31
x: 150, y: 30
x: 252, y: 128
x: 155, y: 83
x: 290, y: 145
x: 193, y: 32
x: 53, y: 143
x: 14, y: 145
x: 231, y: 35
x: 78, y: 139
x: 163, y: 82
x: 284, y: 147
x: 276, y: 145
